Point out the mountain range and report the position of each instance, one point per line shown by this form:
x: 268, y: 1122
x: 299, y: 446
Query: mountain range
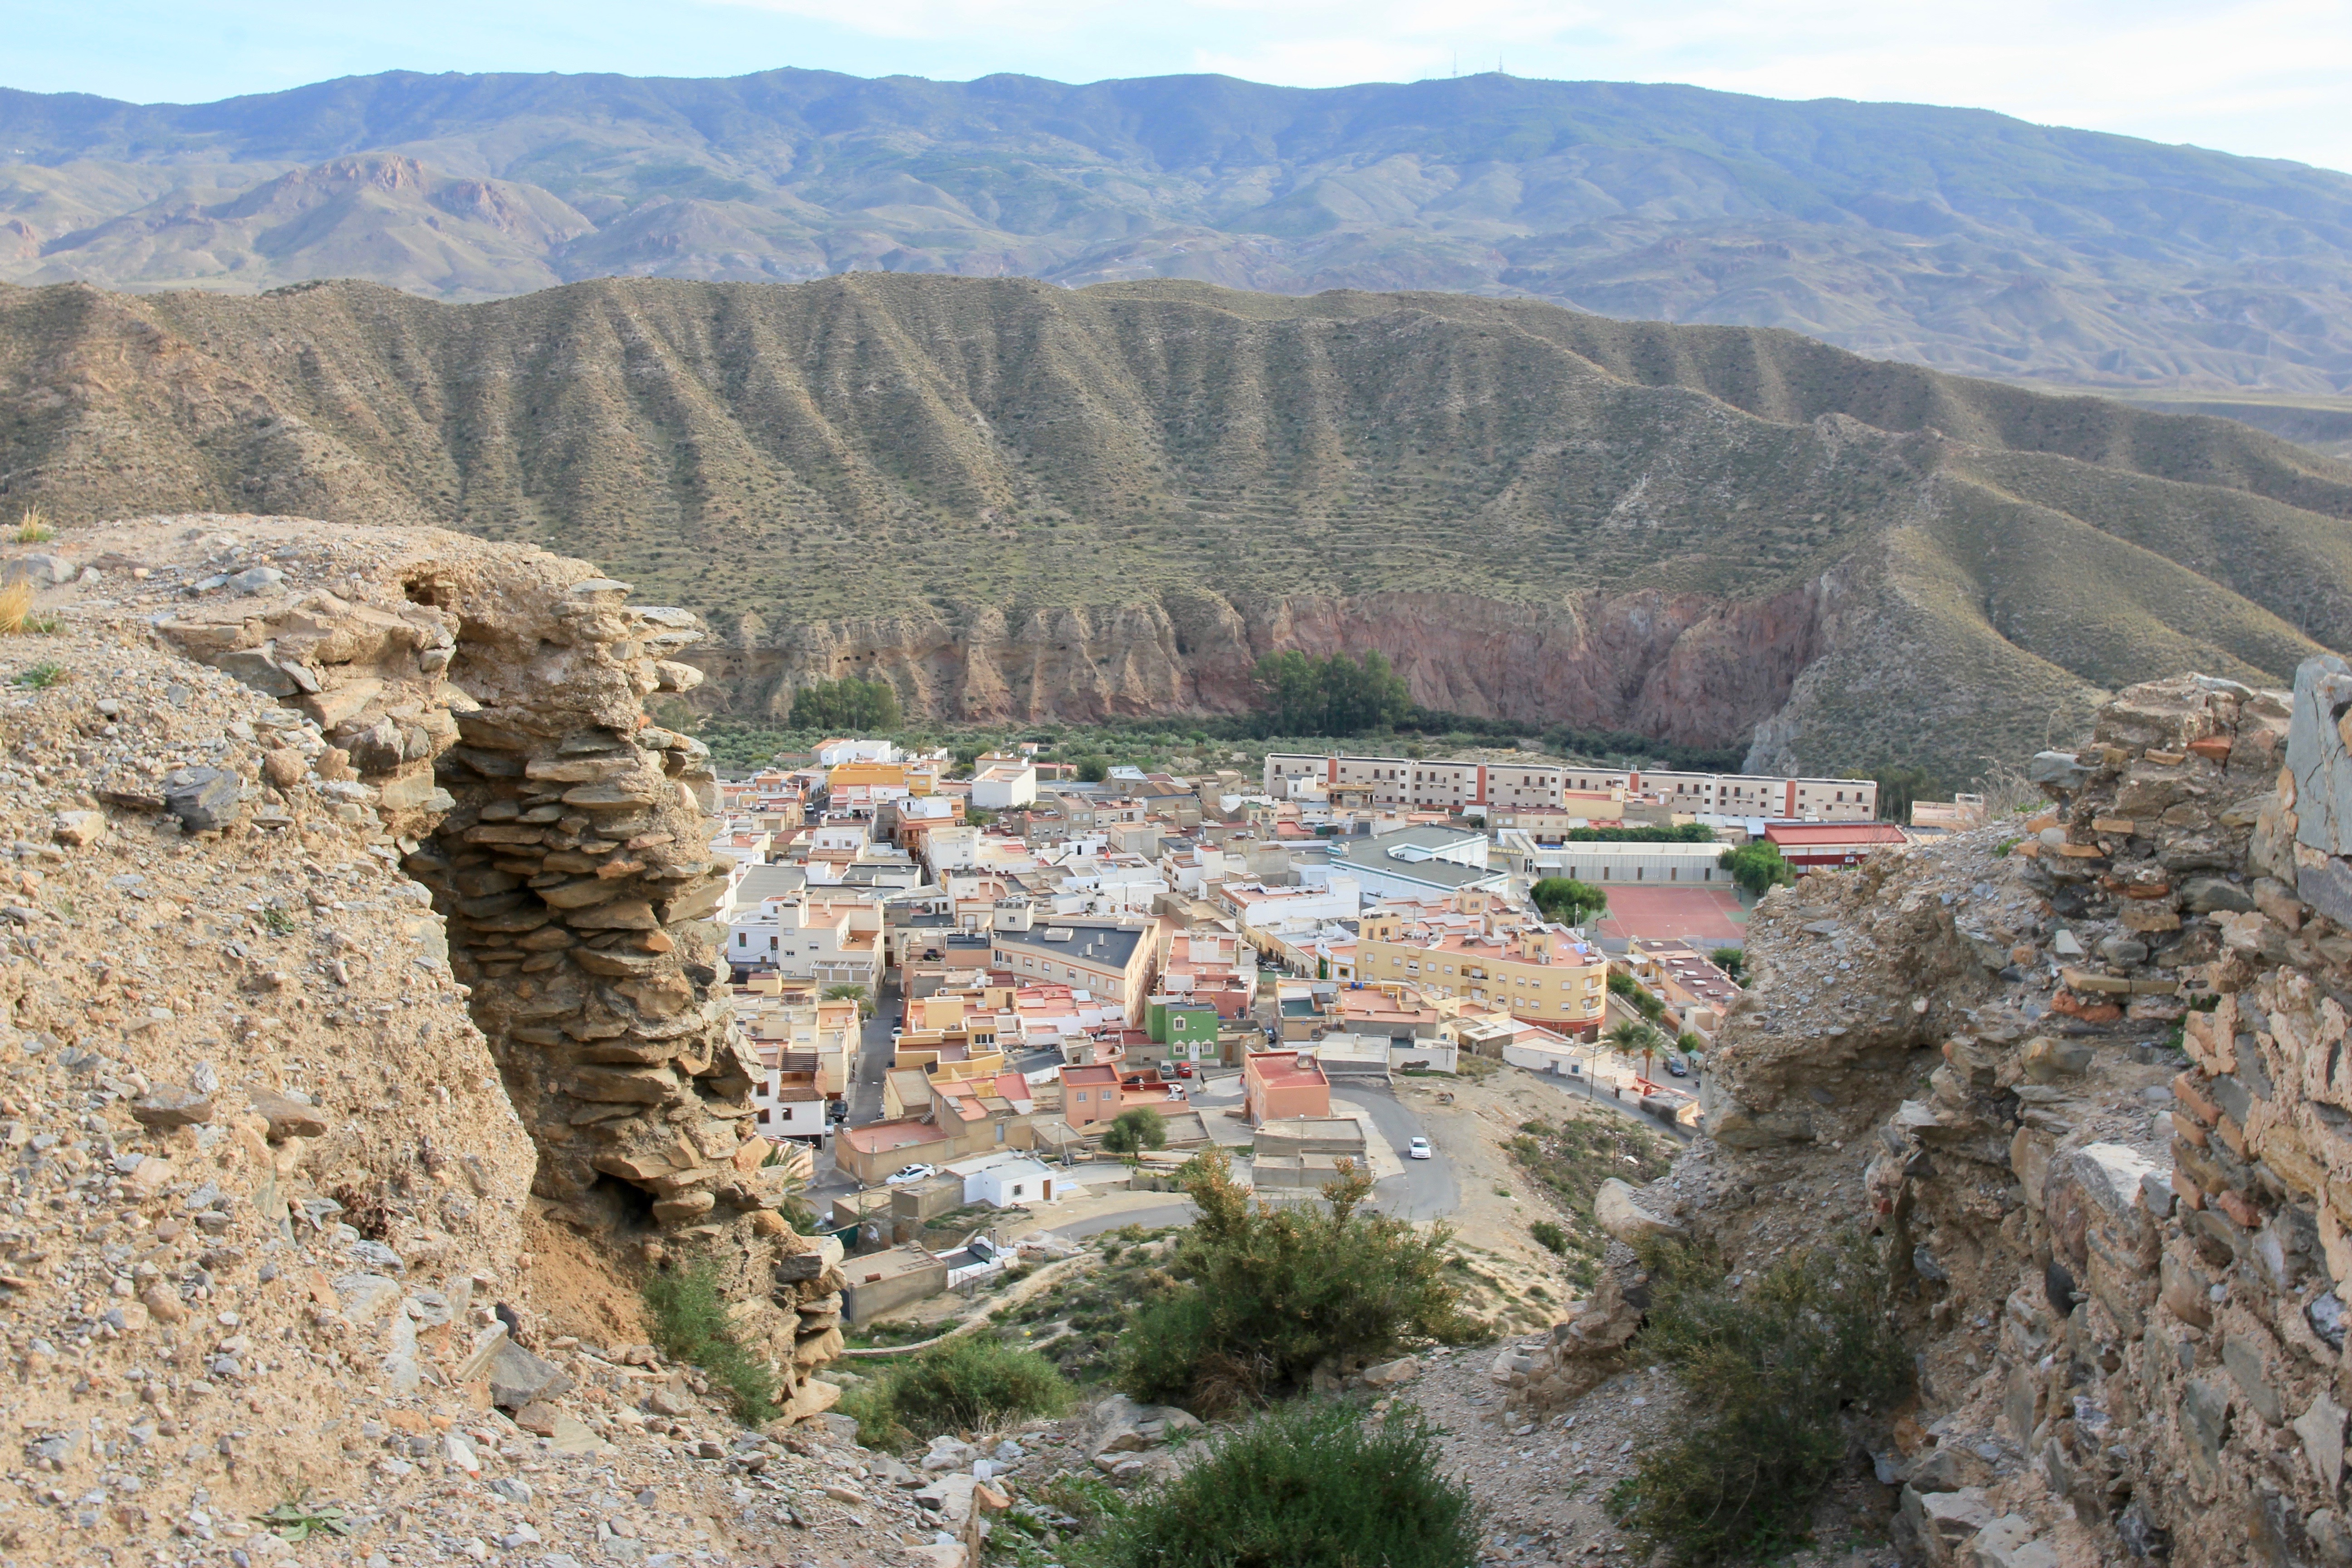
x: 1021, y: 501
x: 1954, y: 238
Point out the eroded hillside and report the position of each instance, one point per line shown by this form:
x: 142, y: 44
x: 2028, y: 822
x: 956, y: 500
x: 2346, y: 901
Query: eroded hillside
x: 1015, y: 499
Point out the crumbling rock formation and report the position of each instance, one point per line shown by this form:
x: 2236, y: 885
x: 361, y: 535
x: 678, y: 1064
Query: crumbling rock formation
x: 2083, y: 1072
x: 486, y: 702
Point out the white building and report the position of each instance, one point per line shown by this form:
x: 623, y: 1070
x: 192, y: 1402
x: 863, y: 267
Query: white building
x: 833, y: 754
x: 1417, y: 863
x: 1001, y: 786
x: 829, y: 943
x: 1260, y: 908
x: 1003, y: 1179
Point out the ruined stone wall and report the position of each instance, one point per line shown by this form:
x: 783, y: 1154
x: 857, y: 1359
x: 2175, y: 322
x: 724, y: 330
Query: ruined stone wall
x: 2083, y: 1072
x: 486, y: 703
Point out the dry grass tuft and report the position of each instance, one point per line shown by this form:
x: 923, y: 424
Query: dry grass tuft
x: 15, y: 608
x: 33, y: 528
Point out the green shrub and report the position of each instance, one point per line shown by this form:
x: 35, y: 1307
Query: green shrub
x: 1733, y: 962
x: 691, y: 1323
x: 1305, y: 1486
x: 972, y: 1381
x: 1768, y: 1372
x: 1266, y: 1293
x: 1549, y: 1237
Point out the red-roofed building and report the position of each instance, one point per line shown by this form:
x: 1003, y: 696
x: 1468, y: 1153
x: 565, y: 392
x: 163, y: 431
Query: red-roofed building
x: 1829, y: 846
x: 1090, y: 1095
x: 1279, y: 1085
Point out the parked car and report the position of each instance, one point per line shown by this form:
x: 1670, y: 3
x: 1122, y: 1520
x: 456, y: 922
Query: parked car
x: 1419, y: 1149
x: 1679, y: 1067
x: 1184, y: 1069
x: 905, y: 1174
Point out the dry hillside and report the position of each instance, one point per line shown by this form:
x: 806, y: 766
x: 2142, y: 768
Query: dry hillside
x: 1014, y: 499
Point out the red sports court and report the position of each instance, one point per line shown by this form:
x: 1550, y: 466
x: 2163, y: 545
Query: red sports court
x: 1704, y: 917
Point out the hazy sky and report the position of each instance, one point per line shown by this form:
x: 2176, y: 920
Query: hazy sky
x: 2271, y: 77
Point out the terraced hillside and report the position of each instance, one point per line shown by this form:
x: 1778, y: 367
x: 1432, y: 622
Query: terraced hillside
x: 1014, y: 499
x: 1960, y: 239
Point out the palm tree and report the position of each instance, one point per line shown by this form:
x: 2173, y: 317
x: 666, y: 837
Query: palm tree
x: 856, y: 994
x: 1633, y: 1039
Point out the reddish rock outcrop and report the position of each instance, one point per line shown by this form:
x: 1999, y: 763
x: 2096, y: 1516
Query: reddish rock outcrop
x: 1681, y: 667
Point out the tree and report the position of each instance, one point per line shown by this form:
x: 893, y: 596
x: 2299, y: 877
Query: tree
x: 851, y: 994
x: 1568, y: 901
x: 1758, y: 867
x: 1732, y: 960
x: 1898, y: 788
x: 1132, y: 1131
x: 1299, y: 694
x: 1093, y: 770
x: 848, y: 703
x: 1632, y: 1039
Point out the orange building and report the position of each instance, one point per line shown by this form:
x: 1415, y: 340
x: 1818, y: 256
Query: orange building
x: 1090, y: 1095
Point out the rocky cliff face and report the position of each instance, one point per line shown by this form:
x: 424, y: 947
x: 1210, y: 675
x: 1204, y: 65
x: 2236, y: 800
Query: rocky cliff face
x: 1681, y: 666
x: 2084, y: 1074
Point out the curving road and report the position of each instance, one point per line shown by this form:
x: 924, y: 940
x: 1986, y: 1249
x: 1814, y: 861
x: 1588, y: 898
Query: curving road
x: 1427, y: 1190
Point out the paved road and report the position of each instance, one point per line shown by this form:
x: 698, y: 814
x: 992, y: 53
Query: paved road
x: 872, y: 1058
x: 1583, y: 1085
x: 1427, y: 1190
x: 864, y: 1090
x: 1178, y: 1211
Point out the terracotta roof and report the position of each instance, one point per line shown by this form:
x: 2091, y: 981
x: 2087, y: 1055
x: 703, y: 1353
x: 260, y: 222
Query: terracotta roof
x: 879, y: 1137
x: 1834, y: 833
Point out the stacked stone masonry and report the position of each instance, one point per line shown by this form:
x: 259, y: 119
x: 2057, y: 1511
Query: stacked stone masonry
x: 486, y: 703
x: 2085, y: 1073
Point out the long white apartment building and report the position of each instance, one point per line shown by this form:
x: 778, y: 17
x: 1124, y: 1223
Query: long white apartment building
x: 1496, y: 787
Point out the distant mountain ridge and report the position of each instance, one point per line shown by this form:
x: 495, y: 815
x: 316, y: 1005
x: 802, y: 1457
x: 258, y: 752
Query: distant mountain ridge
x: 1019, y: 501
x: 1956, y: 238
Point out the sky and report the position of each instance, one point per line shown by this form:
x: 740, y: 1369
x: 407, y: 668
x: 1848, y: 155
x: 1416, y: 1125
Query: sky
x: 2266, y: 77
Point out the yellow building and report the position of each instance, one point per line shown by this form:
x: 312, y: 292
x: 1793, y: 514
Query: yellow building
x: 1541, y: 973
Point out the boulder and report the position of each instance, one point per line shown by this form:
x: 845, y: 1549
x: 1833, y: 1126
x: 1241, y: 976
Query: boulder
x: 1120, y: 1425
x: 288, y: 1117
x: 203, y: 799
x: 169, y: 1105
x: 1618, y: 1206
x: 2009, y: 1542
x: 1391, y: 1374
x: 1942, y: 1525
x: 77, y: 829
x: 519, y: 1378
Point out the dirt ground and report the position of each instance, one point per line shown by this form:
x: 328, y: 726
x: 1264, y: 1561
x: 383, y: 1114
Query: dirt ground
x: 1517, y: 1282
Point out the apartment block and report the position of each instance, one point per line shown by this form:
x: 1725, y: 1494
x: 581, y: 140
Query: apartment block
x: 1541, y: 973
x: 1518, y: 789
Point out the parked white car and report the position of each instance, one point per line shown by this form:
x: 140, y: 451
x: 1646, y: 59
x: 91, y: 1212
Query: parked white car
x: 1418, y: 1148
x: 905, y: 1174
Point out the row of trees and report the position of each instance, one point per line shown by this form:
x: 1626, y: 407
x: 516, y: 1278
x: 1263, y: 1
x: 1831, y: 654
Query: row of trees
x: 849, y: 703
